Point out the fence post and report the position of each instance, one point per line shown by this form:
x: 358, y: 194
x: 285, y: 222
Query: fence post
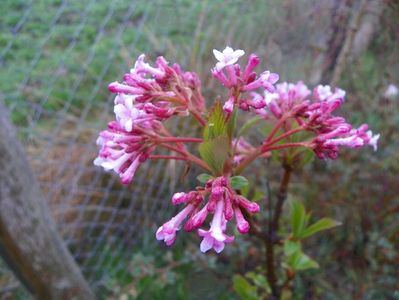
x: 29, y: 241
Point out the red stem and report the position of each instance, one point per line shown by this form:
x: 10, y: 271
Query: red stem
x: 167, y: 157
x: 282, y: 146
x: 188, y: 156
x: 167, y: 146
x: 198, y: 117
x: 261, y: 150
x: 179, y: 140
x: 276, y: 128
x: 284, y: 135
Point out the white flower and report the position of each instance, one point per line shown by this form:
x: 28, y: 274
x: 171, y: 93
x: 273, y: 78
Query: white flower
x: 323, y: 92
x: 227, y: 57
x: 391, y: 91
x: 373, y: 139
x: 127, y: 114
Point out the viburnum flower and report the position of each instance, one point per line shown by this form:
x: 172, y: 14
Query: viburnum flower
x: 122, y: 151
x: 227, y: 57
x: 391, y: 91
x: 222, y: 201
x: 296, y: 118
x: 238, y: 82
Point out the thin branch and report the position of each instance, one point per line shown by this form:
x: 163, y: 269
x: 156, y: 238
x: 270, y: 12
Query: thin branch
x: 198, y: 117
x: 179, y: 140
x: 167, y: 157
x: 349, y: 38
x: 189, y: 156
x: 283, y: 146
x: 273, y: 230
x: 285, y: 135
x: 276, y: 128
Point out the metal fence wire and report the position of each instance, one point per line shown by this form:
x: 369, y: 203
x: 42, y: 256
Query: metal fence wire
x: 57, y: 57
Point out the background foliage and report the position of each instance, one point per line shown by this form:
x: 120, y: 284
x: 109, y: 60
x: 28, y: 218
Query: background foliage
x: 56, y: 59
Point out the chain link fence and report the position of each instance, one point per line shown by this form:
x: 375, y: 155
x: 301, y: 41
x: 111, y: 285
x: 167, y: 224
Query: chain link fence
x: 57, y: 57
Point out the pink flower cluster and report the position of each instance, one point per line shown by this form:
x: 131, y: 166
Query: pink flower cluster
x: 222, y: 201
x: 292, y: 101
x: 229, y: 73
x: 123, y: 151
x: 149, y: 95
x: 162, y: 91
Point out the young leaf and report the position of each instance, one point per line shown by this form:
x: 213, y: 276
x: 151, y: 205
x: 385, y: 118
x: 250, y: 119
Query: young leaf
x: 231, y: 124
x: 238, y: 182
x: 322, y: 224
x: 244, y: 289
x: 291, y: 247
x: 203, y: 178
x: 259, y: 280
x: 258, y: 195
x: 302, y: 158
x: 247, y: 125
x: 245, y: 191
x: 304, y: 262
x: 215, y: 152
x: 298, y: 217
x: 215, y: 126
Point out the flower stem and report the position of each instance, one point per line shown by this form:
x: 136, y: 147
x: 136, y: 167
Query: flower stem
x: 260, y: 151
x: 167, y: 157
x: 198, y: 117
x: 284, y: 135
x: 180, y: 140
x: 282, y: 146
x: 265, y: 147
x: 187, y: 155
x: 276, y: 128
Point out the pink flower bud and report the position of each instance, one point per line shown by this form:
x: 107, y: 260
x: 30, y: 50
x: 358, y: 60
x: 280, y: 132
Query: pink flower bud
x: 253, y: 61
x: 251, y: 207
x: 242, y: 224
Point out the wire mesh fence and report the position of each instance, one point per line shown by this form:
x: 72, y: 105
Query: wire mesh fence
x: 57, y: 57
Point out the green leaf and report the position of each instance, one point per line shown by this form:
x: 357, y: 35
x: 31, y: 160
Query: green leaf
x: 215, y: 152
x: 215, y: 126
x: 244, y: 289
x: 304, y: 262
x: 231, y: 124
x: 258, y: 195
x: 245, y: 191
x: 203, y: 178
x: 247, y: 125
x: 298, y: 217
x: 259, y: 280
x: 322, y: 224
x: 238, y: 182
x: 291, y: 247
x: 302, y: 158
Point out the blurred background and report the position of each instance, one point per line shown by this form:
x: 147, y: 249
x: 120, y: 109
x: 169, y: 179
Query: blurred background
x: 56, y: 60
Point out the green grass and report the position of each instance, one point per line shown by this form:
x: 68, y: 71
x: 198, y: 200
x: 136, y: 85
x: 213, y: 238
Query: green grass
x: 56, y: 56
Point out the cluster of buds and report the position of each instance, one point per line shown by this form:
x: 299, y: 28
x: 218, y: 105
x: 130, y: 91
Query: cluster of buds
x: 146, y: 97
x: 229, y: 73
x: 162, y: 91
x: 149, y: 95
x: 123, y: 151
x: 293, y: 102
x: 222, y: 201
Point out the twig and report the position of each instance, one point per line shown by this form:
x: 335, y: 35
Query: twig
x: 273, y: 229
x: 347, y: 47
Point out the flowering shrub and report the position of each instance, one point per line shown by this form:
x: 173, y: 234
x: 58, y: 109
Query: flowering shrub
x: 301, y: 121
